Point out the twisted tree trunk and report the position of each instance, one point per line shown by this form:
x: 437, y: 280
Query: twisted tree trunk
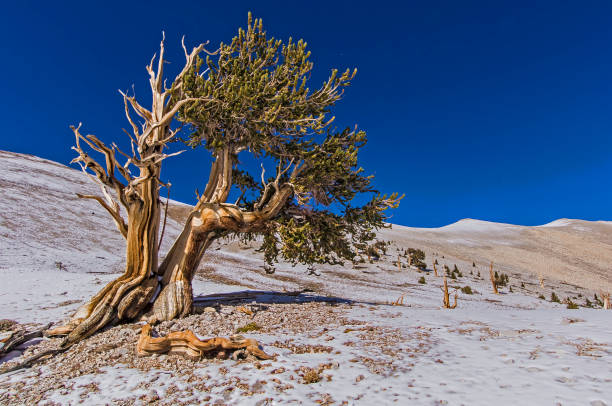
x: 127, y: 296
x: 201, y: 229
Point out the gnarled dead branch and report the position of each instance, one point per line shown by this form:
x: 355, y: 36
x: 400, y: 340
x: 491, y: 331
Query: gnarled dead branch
x: 128, y: 296
x: 399, y: 301
x: 188, y: 344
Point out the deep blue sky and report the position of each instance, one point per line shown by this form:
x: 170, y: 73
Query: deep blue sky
x: 497, y: 110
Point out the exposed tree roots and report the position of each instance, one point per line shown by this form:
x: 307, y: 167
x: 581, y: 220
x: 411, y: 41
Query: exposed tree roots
x: 31, y: 360
x: 185, y: 343
x: 12, y: 339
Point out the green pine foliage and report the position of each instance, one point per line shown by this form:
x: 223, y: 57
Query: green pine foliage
x: 456, y: 271
x: 248, y: 327
x: 501, y: 279
x: 255, y: 99
x: 570, y: 304
x: 418, y: 257
x: 554, y: 298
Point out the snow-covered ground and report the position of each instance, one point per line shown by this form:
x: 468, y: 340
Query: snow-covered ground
x: 479, y: 355
x: 492, y: 349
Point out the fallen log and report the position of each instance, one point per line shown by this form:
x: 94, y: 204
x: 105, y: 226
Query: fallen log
x: 188, y: 344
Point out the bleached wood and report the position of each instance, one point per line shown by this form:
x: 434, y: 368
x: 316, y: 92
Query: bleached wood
x: 188, y: 344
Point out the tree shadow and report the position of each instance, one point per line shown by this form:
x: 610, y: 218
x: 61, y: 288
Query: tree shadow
x: 266, y: 297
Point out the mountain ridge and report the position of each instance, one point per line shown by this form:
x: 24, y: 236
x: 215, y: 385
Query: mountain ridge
x: 43, y: 223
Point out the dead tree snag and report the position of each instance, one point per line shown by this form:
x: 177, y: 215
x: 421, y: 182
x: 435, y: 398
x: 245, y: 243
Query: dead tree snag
x: 446, y: 297
x: 541, y: 280
x: 606, y: 300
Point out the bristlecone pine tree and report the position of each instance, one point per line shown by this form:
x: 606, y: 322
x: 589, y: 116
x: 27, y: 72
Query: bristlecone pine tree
x: 417, y: 258
x: 248, y: 97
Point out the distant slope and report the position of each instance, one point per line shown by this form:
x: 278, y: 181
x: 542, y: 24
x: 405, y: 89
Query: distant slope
x: 575, y: 251
x: 42, y: 222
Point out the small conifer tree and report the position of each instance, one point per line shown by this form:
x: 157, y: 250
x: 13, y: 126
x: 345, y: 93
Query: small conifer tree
x: 554, y: 297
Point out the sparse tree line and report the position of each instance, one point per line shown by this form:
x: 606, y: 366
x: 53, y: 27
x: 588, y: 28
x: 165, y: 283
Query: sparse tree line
x: 497, y: 280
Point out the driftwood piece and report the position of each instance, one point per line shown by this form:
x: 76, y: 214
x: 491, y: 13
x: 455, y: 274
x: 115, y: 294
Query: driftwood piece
x: 188, y: 344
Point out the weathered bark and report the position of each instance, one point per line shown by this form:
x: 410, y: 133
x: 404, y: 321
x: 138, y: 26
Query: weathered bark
x: 202, y: 228
x: 131, y: 295
x: 211, y: 218
x: 178, y: 268
x: 187, y: 343
x: 127, y: 296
